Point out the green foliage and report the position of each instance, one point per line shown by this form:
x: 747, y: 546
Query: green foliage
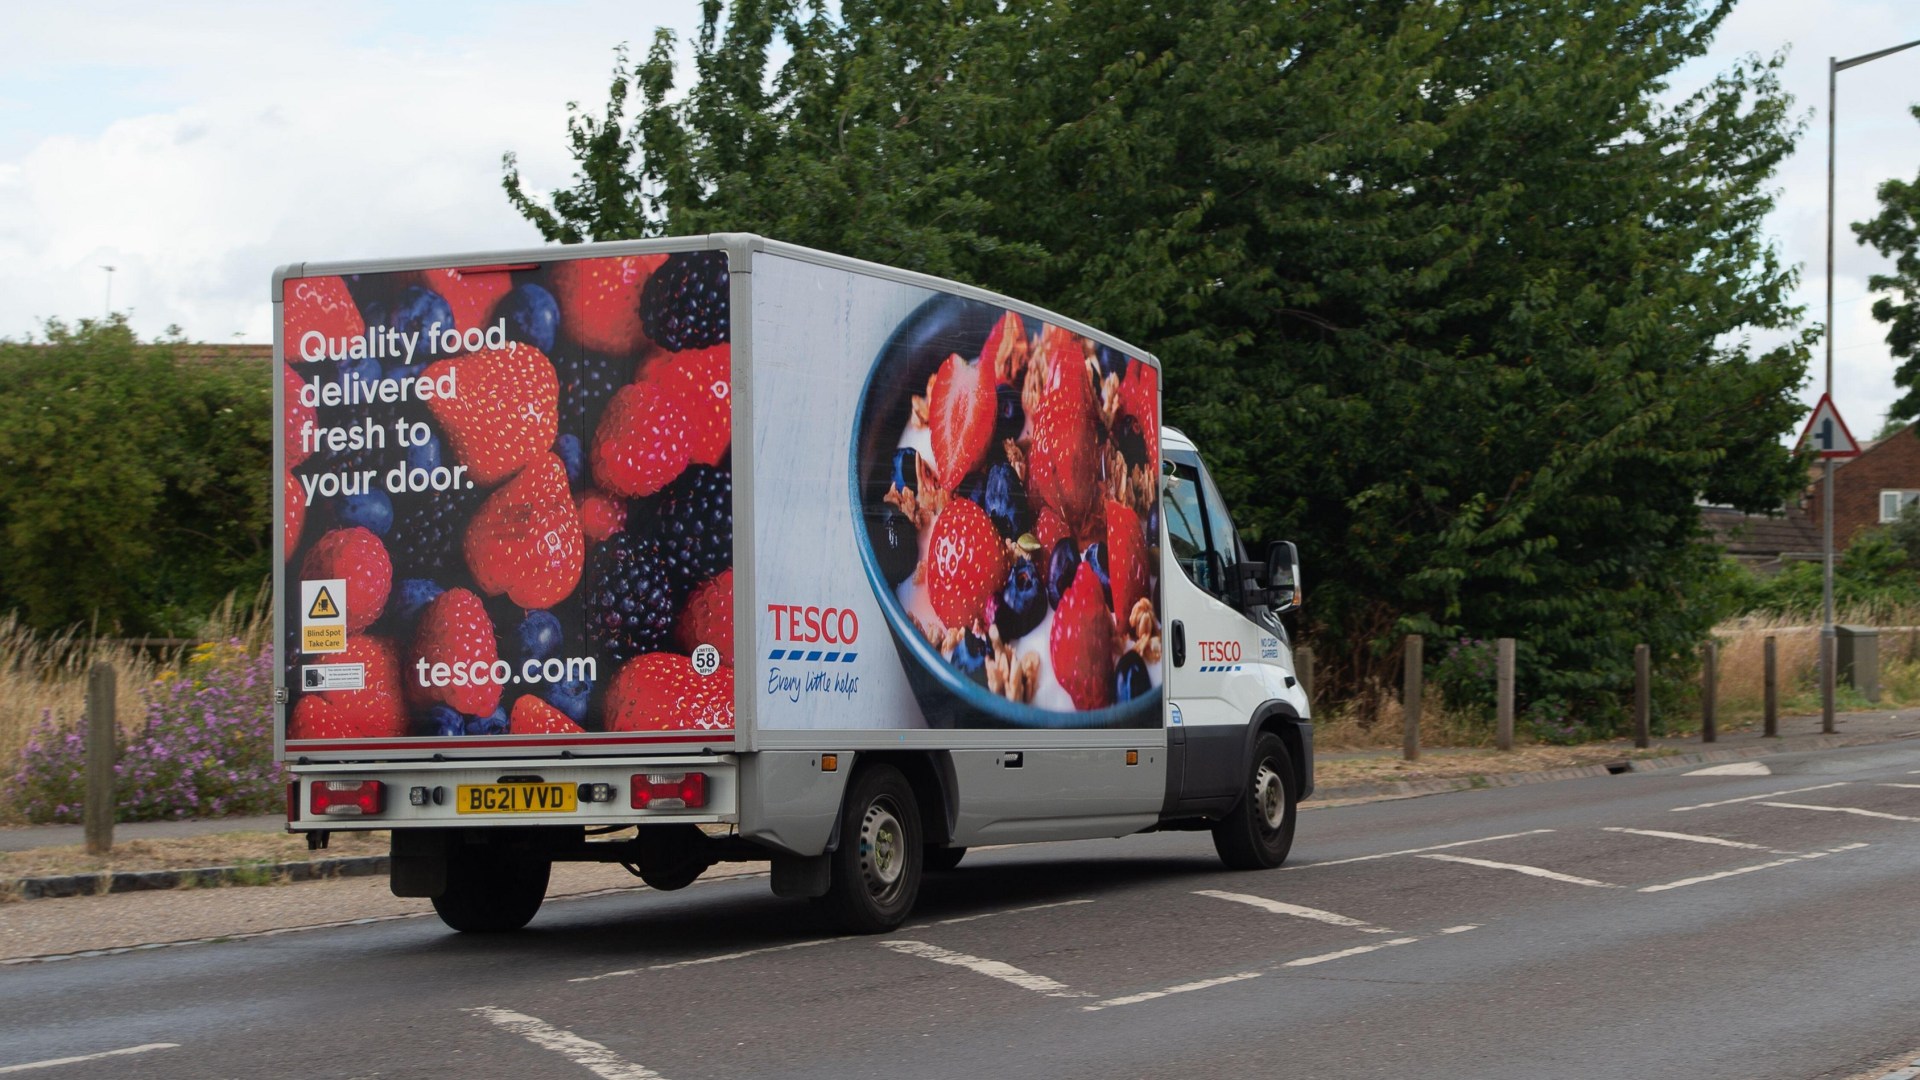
x: 133, y: 489
x: 1455, y: 295
x: 1465, y: 676
x: 1877, y: 572
x: 1895, y: 233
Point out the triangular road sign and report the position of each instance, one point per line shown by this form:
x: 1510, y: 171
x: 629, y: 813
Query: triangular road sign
x: 1828, y: 432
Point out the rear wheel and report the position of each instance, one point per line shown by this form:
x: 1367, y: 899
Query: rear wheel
x: 490, y: 890
x: 875, y: 872
x: 671, y: 856
x: 1258, y: 832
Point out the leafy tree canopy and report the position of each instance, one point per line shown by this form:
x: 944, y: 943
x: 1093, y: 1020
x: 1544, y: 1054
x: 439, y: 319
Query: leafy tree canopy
x: 1453, y: 294
x: 1895, y: 233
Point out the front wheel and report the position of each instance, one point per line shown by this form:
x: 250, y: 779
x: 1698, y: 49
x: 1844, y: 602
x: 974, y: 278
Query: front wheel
x: 491, y: 891
x: 1258, y: 832
x: 875, y: 872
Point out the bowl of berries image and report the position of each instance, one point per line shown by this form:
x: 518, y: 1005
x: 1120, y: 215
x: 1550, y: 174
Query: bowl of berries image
x: 1005, y: 472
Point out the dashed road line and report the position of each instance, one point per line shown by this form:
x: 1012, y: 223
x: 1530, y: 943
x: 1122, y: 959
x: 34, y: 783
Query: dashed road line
x: 741, y: 955
x: 1357, y: 950
x: 1183, y: 988
x: 1841, y: 810
x: 1734, y: 768
x: 993, y: 969
x: 584, y: 1052
x: 1684, y: 882
x: 1418, y: 850
x: 77, y: 1059
x: 1751, y: 798
x: 1009, y: 911
x: 1901, y: 785
x: 1697, y: 839
x: 1520, y: 868
x: 1282, y: 908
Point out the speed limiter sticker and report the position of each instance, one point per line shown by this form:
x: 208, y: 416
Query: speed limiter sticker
x: 706, y: 660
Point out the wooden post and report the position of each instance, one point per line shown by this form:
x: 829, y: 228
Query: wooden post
x: 1503, y: 690
x: 1303, y: 670
x: 1709, y: 693
x: 1771, y: 689
x: 1415, y: 681
x: 1642, y: 696
x: 102, y: 745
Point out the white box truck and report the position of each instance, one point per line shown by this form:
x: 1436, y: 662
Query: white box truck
x: 676, y: 551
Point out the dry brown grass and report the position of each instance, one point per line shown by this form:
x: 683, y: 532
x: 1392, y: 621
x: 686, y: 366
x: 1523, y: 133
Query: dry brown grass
x: 186, y: 852
x: 1742, y: 663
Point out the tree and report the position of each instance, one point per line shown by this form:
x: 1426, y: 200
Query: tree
x: 1446, y: 292
x: 1895, y: 233
x: 133, y: 491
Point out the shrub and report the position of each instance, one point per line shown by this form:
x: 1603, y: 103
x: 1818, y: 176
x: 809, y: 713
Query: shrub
x: 1465, y: 677
x: 1549, y: 720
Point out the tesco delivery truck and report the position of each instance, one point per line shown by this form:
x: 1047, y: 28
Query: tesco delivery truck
x: 716, y: 548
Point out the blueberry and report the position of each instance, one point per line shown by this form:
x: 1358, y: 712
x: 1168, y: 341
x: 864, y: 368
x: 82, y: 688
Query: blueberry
x: 425, y: 455
x: 1061, y: 564
x: 444, y: 720
x: 1128, y: 439
x: 1008, y: 417
x: 370, y: 510
x: 540, y: 635
x: 494, y: 723
x: 1130, y: 680
x: 896, y: 544
x: 1112, y: 361
x: 531, y: 314
x: 422, y: 311
x: 1021, y: 605
x: 570, y: 696
x: 412, y: 596
x: 1096, y: 557
x: 402, y: 372
x: 567, y: 447
x: 364, y: 368
x: 906, y: 469
x: 1005, y: 501
x: 970, y: 657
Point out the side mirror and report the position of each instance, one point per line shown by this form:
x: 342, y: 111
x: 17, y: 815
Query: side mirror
x: 1283, y: 576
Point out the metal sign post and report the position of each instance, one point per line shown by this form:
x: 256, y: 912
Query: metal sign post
x: 1832, y: 441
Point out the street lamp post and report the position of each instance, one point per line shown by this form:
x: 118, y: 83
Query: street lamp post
x: 1834, y: 68
x: 109, y: 270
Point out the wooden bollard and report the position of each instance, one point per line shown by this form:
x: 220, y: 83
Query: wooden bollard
x: 1503, y: 692
x: 102, y: 748
x: 1642, y: 696
x: 1770, y: 690
x: 1411, y: 687
x: 1709, y: 693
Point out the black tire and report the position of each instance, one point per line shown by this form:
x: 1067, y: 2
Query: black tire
x: 491, y: 891
x: 938, y: 860
x: 672, y: 856
x: 875, y: 872
x: 1258, y: 832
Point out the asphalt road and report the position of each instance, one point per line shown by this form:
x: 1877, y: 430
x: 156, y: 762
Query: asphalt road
x: 1636, y: 926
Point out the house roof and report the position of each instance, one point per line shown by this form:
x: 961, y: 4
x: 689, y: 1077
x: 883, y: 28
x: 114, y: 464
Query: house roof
x: 1761, y: 534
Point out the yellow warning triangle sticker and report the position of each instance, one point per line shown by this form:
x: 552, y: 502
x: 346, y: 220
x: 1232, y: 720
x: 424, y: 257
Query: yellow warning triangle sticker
x: 323, y: 606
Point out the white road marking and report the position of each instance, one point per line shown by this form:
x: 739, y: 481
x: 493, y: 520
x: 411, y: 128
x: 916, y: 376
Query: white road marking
x: 1281, y: 908
x: 993, y: 969
x: 1901, y: 785
x: 1418, y: 850
x: 1518, y: 868
x: 51, y: 1062
x: 1841, y: 810
x: 1183, y: 988
x: 1684, y: 882
x: 742, y: 955
x: 1750, y: 798
x: 1309, y: 961
x: 1734, y: 768
x: 1461, y: 929
x: 583, y: 1052
x: 1695, y: 839
x: 1009, y: 911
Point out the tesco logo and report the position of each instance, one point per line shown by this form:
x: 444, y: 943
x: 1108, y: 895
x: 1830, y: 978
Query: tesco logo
x: 1219, y: 652
x: 797, y: 622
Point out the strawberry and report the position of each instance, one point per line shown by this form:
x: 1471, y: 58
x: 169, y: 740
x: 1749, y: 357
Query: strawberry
x: 525, y: 539
x: 319, y: 305
x: 644, y: 441
x: 706, y: 376
x: 454, y: 630
x: 299, y: 417
x: 960, y: 409
x: 660, y: 692
x: 966, y: 563
x: 1049, y: 529
x: 296, y: 513
x: 505, y: 410
x: 1126, y: 560
x: 1081, y: 641
x: 600, y: 300
x: 1005, y: 340
x: 470, y: 294
x: 1064, y: 463
x: 373, y: 712
x: 361, y: 559
x: 601, y: 515
x: 1140, y: 399
x: 532, y: 716
x: 708, y: 618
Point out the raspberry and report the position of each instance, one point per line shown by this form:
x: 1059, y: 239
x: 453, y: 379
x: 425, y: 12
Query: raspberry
x: 632, y: 597
x: 296, y: 507
x: 708, y: 618
x: 644, y: 439
x: 532, y: 716
x: 599, y: 300
x: 372, y: 712
x: 695, y: 524
x: 601, y: 515
x: 525, y: 541
x: 661, y: 692
x: 504, y: 413
x: 357, y: 556
x: 706, y: 377
x: 454, y: 629
x: 685, y: 302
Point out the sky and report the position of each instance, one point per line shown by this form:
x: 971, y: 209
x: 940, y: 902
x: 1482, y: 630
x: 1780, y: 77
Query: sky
x: 195, y: 146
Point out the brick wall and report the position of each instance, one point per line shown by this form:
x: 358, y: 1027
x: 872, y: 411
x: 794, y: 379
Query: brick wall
x: 1892, y: 463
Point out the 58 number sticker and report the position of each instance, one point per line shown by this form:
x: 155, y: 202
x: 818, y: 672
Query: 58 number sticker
x: 706, y: 660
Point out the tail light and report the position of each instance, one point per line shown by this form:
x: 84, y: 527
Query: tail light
x: 346, y: 798
x: 669, y: 791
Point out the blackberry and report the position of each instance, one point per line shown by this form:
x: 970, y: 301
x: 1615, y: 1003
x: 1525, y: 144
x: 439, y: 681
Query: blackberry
x: 428, y: 528
x: 684, y: 303
x: 587, y: 380
x: 696, y: 524
x: 633, y: 597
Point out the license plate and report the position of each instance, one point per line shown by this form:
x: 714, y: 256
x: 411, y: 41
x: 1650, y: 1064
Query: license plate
x: 516, y: 799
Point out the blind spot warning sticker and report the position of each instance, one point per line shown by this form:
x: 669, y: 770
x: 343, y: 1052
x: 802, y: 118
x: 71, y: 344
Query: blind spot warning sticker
x: 323, y: 615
